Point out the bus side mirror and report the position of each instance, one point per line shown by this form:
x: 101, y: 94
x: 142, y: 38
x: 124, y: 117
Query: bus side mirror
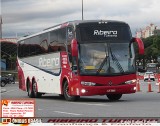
x: 140, y: 45
x: 74, y: 47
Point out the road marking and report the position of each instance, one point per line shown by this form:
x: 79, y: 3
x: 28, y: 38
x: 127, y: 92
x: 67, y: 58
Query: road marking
x: 9, y: 91
x: 60, y: 112
x: 67, y: 113
x: 91, y: 104
x: 3, y: 90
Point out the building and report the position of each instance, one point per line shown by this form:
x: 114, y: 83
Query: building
x: 148, y: 31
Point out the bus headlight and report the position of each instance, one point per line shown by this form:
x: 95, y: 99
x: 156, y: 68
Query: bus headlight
x: 83, y: 91
x: 88, y: 83
x: 130, y: 81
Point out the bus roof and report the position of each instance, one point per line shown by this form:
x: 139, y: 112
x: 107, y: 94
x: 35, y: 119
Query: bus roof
x: 74, y: 23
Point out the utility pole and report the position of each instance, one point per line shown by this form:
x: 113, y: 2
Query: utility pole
x: 1, y: 27
x: 82, y: 9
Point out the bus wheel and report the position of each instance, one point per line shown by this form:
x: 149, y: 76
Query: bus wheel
x: 66, y: 94
x: 114, y: 97
x: 61, y: 96
x: 34, y: 89
x: 30, y: 92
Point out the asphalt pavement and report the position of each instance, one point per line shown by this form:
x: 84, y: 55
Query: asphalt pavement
x: 140, y: 104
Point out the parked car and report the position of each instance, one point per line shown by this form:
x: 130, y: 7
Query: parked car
x: 11, y: 78
x: 4, y: 81
x: 148, y: 75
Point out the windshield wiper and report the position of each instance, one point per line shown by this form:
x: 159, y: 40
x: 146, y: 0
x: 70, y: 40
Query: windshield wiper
x: 104, y: 61
x: 114, y: 58
x: 102, y: 64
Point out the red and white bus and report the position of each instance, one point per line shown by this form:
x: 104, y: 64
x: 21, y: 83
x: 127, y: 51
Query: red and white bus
x: 79, y: 58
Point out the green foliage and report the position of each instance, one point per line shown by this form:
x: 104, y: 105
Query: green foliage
x: 152, y: 47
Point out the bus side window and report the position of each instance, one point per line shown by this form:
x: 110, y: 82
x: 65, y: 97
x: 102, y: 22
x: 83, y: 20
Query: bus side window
x: 74, y: 65
x: 53, y: 41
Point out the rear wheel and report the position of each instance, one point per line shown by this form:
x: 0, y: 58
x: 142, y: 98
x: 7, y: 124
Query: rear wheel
x: 66, y: 93
x: 30, y: 91
x: 114, y: 97
x: 35, y: 93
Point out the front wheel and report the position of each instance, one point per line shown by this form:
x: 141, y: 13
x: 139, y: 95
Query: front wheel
x: 114, y: 97
x: 66, y: 93
x: 3, y: 84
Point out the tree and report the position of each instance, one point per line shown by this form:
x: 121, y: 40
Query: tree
x: 156, y: 44
x: 152, y: 47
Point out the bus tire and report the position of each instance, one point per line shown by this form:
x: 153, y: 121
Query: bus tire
x: 61, y: 96
x: 114, y: 97
x: 30, y: 91
x: 34, y: 89
x: 66, y: 95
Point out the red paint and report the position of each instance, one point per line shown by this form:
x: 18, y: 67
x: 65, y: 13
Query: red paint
x: 21, y: 78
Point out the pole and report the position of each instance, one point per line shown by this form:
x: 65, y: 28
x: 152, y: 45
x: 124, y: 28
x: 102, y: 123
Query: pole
x: 0, y: 20
x: 82, y: 9
x: 0, y: 27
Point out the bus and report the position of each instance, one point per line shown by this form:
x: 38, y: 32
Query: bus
x: 79, y: 58
x: 152, y: 67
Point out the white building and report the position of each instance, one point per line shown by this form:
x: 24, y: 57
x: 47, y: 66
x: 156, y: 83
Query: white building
x: 146, y: 32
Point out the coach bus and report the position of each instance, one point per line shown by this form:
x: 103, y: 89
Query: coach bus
x: 79, y: 58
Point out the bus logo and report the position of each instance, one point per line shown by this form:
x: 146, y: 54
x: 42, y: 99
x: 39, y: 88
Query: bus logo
x: 110, y: 83
x: 105, y: 33
x: 44, y: 62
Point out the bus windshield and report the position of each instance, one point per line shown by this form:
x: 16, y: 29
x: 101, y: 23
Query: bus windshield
x: 106, y: 59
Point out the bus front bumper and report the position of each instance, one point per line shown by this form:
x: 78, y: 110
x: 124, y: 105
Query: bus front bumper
x: 103, y: 90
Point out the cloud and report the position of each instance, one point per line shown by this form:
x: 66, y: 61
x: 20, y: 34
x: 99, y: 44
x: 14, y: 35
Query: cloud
x: 33, y: 15
x: 33, y: 10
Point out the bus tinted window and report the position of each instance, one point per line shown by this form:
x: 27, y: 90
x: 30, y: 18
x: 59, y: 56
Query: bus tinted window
x: 62, y: 35
x: 57, y: 40
x: 54, y: 36
x: 20, y: 50
x: 33, y: 46
x: 44, y: 42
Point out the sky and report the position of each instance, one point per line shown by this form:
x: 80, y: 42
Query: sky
x: 23, y: 17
